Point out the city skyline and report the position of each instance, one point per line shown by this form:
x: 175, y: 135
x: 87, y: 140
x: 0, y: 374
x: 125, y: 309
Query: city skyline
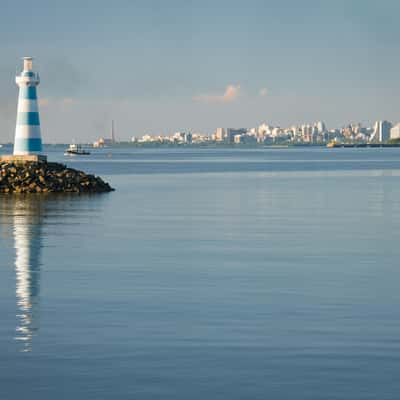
x: 316, y: 133
x: 158, y: 68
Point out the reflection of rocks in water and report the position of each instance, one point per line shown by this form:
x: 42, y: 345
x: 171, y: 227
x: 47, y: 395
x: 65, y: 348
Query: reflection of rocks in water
x: 27, y: 219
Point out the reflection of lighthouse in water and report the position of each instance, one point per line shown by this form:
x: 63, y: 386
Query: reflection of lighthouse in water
x: 27, y: 242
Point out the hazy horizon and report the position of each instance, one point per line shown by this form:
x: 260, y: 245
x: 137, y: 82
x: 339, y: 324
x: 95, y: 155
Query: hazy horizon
x: 156, y: 68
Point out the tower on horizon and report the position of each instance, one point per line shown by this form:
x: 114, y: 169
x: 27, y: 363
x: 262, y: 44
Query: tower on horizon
x: 112, y: 132
x: 28, y: 139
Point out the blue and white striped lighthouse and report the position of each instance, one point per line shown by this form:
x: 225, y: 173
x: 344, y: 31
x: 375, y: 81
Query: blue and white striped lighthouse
x: 28, y: 139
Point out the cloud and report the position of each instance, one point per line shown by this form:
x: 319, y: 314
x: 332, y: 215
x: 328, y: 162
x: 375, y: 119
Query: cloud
x: 67, y: 101
x: 50, y: 101
x: 263, y: 92
x: 232, y: 93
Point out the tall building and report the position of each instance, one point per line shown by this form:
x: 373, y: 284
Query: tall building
x: 188, y: 138
x: 28, y: 138
x: 395, y: 131
x: 231, y: 132
x: 381, y: 132
x: 220, y: 134
x: 306, y: 133
x: 112, y: 132
x: 321, y: 127
x: 295, y: 130
x: 263, y: 129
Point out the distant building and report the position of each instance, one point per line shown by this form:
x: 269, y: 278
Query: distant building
x: 395, y: 131
x: 306, y: 133
x: 347, y: 132
x: 320, y: 127
x: 98, y: 143
x: 263, y: 129
x: 146, y: 139
x: 381, y: 132
x: 220, y: 134
x: 231, y: 132
x: 244, y: 139
x: 103, y: 142
x: 188, y: 138
x: 237, y: 139
x: 295, y: 131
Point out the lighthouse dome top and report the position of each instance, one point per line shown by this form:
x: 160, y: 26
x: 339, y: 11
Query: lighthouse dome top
x: 27, y: 63
x: 27, y: 77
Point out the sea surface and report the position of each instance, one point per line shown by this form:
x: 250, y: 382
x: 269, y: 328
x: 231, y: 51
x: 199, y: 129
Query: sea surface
x: 208, y: 274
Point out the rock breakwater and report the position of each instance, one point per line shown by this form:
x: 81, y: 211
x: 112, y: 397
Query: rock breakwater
x: 43, y: 177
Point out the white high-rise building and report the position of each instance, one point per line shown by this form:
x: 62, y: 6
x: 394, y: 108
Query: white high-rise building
x: 381, y: 132
x: 295, y: 130
x: 395, y: 131
x: 321, y: 127
x: 220, y: 134
x: 263, y: 129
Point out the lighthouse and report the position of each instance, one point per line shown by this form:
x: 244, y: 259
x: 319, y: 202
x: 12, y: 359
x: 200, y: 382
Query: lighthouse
x: 28, y: 141
x: 21, y: 172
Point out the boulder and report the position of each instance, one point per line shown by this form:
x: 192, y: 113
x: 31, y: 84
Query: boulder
x: 43, y: 177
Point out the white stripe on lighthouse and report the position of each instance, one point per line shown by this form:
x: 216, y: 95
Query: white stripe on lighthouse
x: 26, y: 105
x: 27, y: 131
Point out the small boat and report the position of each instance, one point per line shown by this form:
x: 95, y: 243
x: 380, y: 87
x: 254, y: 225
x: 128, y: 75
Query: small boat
x: 76, y: 150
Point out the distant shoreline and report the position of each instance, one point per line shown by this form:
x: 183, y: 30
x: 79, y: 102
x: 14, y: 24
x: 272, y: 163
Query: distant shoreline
x: 122, y: 145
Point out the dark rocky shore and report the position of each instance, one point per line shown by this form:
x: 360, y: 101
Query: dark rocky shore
x: 44, y: 177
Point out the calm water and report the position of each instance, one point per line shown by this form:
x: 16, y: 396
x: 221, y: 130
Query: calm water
x: 207, y: 274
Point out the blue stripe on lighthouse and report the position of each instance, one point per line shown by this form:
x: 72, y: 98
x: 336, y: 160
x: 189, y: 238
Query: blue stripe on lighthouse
x: 28, y: 92
x: 27, y: 145
x: 27, y: 73
x: 28, y: 118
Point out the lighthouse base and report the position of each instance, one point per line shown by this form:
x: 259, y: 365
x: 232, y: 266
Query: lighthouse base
x: 22, y: 159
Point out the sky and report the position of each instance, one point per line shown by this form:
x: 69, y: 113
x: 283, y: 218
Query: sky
x: 157, y: 67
